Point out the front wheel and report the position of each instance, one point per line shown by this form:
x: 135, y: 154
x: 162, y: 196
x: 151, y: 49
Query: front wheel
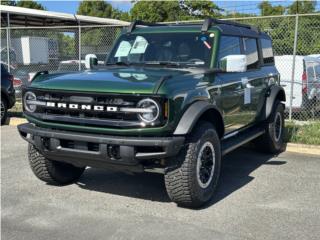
x: 272, y: 140
x: 52, y: 172
x: 4, y: 110
x: 193, y: 182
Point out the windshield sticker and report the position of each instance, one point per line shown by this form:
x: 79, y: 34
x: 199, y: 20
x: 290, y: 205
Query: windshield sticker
x: 123, y: 49
x: 204, y: 40
x: 125, y: 75
x: 139, y: 76
x: 139, y: 46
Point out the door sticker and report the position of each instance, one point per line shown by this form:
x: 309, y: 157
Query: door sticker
x: 247, y: 95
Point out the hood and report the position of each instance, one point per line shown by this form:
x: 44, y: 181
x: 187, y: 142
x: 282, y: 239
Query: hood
x: 112, y: 80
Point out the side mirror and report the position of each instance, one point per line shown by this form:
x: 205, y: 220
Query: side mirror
x: 233, y: 63
x: 91, y: 60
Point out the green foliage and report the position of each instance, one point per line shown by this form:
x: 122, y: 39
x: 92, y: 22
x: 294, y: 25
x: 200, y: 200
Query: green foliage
x: 97, y: 8
x: 30, y: 4
x: 8, y: 2
x: 305, y: 134
x: 200, y: 9
x: 302, y: 7
x: 175, y: 10
x: 156, y: 11
x: 266, y: 9
x: 67, y: 48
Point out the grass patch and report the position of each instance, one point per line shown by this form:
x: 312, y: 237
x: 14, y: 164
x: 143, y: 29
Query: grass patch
x: 16, y: 110
x: 308, y: 133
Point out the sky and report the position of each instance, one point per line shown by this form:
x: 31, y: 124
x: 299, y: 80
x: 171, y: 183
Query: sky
x: 242, y: 6
x: 71, y: 6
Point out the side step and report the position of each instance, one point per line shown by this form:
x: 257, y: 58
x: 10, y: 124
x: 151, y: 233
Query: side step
x: 238, y: 139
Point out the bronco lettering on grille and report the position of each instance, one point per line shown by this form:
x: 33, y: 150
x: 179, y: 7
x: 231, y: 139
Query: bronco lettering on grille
x: 82, y: 106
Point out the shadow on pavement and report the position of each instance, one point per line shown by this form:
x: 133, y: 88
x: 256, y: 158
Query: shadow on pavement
x: 236, y: 169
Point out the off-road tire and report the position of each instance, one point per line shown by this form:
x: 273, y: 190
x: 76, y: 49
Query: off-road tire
x: 268, y: 142
x: 182, y: 181
x: 52, y: 172
x: 4, y: 110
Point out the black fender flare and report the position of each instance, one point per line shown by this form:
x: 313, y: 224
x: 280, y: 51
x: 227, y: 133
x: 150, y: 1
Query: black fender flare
x: 192, y: 115
x: 275, y: 92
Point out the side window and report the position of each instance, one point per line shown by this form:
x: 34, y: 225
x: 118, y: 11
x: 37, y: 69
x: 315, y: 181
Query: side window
x: 229, y: 46
x: 267, y: 52
x: 251, y: 51
x: 310, y: 71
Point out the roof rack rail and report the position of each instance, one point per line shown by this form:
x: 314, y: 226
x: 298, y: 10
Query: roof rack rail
x: 209, y: 21
x: 133, y: 25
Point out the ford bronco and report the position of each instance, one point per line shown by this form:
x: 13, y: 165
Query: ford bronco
x: 171, y: 99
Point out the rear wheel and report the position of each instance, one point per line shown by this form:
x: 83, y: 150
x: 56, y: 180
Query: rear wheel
x: 193, y: 182
x: 272, y: 140
x: 52, y: 172
x: 4, y: 110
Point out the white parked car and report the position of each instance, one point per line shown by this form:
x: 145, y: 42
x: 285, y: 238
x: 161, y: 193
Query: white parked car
x: 306, y: 84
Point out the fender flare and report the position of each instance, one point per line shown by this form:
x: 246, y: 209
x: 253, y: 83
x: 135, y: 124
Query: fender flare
x: 191, y: 116
x: 275, y: 92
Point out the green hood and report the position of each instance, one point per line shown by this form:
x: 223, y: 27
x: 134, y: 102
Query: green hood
x: 112, y: 80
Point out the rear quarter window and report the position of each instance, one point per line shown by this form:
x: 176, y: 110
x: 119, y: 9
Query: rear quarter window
x: 267, y: 52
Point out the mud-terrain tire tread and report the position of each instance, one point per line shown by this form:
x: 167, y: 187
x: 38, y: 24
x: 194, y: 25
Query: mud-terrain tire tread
x: 5, y: 103
x: 266, y: 143
x: 179, y: 181
x: 52, y: 172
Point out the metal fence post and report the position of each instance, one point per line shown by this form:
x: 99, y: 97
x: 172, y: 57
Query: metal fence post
x: 79, y: 45
x: 293, y: 64
x: 8, y: 41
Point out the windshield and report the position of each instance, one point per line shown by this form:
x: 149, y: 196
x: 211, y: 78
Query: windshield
x: 176, y: 49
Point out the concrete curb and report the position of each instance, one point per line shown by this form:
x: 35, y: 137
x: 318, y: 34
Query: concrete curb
x: 14, y: 121
x: 303, y: 148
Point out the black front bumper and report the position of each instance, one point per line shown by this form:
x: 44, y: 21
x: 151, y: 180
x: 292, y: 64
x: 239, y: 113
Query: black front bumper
x: 83, y: 149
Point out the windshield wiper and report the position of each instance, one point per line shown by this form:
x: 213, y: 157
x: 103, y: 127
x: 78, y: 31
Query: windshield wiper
x: 119, y: 63
x: 163, y: 63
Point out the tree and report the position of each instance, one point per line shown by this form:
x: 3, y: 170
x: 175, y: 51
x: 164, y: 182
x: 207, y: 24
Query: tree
x: 9, y: 3
x: 156, y: 11
x: 201, y: 9
x: 302, y: 7
x: 175, y: 10
x: 266, y: 9
x: 30, y: 4
x: 95, y: 8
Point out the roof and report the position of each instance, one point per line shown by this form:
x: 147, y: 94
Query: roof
x: 223, y: 28
x: 32, y: 17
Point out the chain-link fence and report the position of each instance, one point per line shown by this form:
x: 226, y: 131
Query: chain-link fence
x: 53, y: 49
x: 296, y: 44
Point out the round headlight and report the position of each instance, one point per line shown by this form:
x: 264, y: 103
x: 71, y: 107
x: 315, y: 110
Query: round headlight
x: 152, y: 110
x: 28, y: 98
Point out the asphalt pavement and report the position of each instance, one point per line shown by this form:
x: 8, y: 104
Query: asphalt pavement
x: 259, y: 197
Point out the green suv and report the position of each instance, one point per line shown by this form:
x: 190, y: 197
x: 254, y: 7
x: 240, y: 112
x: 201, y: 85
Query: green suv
x: 172, y: 99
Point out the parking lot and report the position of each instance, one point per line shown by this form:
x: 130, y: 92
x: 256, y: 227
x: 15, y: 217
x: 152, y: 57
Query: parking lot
x: 259, y: 197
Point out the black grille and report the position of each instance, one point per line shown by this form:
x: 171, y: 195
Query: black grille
x: 90, y: 117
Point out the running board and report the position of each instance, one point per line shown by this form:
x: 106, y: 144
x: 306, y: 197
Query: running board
x: 233, y: 142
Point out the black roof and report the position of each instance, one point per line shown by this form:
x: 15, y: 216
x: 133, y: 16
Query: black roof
x: 224, y: 26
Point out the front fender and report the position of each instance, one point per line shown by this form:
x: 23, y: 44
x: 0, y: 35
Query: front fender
x: 191, y: 116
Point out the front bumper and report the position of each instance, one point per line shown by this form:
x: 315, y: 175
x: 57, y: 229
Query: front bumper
x: 97, y: 150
